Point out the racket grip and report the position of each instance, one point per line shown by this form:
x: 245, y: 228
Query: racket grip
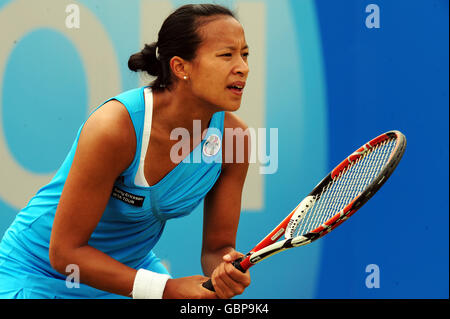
x: 236, y: 263
x: 208, y: 285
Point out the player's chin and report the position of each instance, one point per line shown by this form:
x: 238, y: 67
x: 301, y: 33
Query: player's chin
x: 232, y: 104
x: 234, y: 107
x: 228, y: 105
x: 233, y: 101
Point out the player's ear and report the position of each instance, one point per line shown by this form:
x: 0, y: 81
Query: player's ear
x: 180, y: 67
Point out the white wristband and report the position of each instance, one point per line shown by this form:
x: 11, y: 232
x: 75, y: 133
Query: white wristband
x: 149, y: 284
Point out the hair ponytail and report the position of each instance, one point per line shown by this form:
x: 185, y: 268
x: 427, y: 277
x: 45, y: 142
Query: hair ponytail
x: 145, y: 60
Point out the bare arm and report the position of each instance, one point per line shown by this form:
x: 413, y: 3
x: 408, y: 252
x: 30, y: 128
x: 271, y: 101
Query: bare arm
x: 105, y: 149
x: 222, y: 212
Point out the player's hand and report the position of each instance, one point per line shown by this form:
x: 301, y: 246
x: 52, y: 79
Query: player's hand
x: 227, y: 280
x: 187, y: 288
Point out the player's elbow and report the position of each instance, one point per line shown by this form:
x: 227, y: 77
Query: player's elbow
x: 58, y: 258
x: 54, y: 257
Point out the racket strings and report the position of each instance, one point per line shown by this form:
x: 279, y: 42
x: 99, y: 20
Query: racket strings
x: 346, y: 186
x: 332, y: 197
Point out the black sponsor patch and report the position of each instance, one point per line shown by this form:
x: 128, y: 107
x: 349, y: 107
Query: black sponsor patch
x: 128, y: 198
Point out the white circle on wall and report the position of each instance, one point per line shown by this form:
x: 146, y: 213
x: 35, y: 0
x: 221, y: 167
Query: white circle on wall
x: 98, y: 56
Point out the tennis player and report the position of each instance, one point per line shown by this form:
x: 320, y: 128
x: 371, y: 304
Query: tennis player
x: 106, y: 207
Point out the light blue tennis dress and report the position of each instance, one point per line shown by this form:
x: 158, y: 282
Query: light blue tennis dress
x: 132, y: 222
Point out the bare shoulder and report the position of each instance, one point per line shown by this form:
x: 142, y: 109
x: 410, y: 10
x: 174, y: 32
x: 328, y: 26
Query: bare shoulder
x: 112, y: 121
x: 109, y: 131
x: 112, y: 118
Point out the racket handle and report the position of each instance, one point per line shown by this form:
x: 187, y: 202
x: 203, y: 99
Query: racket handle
x: 236, y: 263
x: 208, y: 285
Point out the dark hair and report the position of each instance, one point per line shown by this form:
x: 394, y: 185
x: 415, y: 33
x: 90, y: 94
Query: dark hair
x: 178, y: 36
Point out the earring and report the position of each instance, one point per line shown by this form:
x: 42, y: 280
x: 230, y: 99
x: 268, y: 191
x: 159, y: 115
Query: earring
x: 185, y: 77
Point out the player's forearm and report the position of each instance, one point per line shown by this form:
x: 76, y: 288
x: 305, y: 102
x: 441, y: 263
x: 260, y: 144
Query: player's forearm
x: 96, y: 269
x: 211, y: 259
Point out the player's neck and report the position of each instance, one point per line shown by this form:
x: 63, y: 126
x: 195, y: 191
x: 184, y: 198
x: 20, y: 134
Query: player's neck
x: 177, y: 109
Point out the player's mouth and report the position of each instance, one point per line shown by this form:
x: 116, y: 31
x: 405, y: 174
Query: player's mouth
x: 236, y: 87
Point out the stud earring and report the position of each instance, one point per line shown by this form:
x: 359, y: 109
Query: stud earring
x: 185, y: 77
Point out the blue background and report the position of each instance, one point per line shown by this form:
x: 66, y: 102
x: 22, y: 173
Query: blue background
x: 370, y: 81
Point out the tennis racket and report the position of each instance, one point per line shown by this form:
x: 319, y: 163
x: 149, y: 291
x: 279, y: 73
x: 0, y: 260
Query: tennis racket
x: 338, y: 196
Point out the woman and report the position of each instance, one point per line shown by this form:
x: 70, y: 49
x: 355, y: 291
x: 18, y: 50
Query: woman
x: 107, y: 205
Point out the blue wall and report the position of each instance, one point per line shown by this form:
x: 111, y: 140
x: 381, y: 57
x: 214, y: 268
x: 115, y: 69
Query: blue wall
x: 331, y: 84
x: 379, y: 79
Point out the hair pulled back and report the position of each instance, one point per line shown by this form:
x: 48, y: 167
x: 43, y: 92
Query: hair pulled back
x: 178, y: 36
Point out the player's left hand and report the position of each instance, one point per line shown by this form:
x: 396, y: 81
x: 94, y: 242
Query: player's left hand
x: 227, y: 280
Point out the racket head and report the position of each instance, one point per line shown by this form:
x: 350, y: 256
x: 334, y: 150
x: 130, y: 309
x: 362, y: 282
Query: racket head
x: 290, y: 227
x: 347, y: 188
